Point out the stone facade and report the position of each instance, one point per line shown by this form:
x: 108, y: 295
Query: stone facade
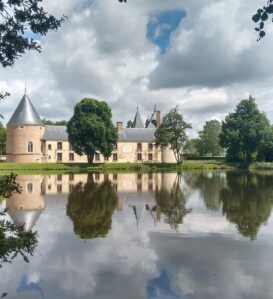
x: 29, y: 140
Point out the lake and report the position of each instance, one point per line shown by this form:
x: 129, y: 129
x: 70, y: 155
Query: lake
x: 161, y: 235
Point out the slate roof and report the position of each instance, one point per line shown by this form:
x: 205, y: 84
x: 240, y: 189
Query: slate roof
x: 138, y: 121
x: 25, y: 114
x: 138, y: 134
x: 55, y: 133
x: 26, y: 217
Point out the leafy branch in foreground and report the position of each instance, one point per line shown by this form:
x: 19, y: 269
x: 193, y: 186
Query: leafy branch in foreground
x: 261, y: 17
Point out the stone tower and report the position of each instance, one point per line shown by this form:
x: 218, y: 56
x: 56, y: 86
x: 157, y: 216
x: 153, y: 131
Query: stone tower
x: 24, y: 132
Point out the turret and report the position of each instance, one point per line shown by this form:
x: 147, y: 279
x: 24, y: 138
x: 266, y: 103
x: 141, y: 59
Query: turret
x: 24, y: 132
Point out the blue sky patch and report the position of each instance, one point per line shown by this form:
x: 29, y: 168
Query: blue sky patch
x: 161, y: 25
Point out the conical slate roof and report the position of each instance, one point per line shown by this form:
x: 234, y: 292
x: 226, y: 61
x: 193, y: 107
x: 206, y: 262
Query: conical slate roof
x: 25, y: 114
x: 138, y: 121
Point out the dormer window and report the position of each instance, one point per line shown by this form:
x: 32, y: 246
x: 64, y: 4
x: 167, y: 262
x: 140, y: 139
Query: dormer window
x: 30, y: 147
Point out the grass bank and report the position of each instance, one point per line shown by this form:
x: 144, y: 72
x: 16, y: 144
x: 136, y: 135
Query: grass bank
x: 115, y: 167
x: 261, y: 166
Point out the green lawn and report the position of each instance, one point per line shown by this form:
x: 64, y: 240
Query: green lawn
x: 78, y: 167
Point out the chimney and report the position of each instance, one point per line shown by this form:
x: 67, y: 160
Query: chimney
x: 119, y: 127
x: 158, y: 118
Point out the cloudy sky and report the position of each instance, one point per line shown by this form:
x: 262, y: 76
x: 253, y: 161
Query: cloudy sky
x: 200, y: 55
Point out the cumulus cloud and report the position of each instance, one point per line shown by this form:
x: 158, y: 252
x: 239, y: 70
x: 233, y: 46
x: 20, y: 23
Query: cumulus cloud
x: 102, y: 51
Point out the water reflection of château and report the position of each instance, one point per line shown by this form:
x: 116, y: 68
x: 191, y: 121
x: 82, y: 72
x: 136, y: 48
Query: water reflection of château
x: 135, y: 190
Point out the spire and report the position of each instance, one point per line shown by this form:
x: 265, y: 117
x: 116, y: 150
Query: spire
x: 137, y: 120
x: 25, y: 114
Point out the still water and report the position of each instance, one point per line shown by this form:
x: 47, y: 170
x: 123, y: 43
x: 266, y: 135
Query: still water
x: 169, y: 236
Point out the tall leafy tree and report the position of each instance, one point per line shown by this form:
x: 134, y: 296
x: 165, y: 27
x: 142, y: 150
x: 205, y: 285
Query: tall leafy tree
x: 172, y: 133
x: 90, y: 130
x: 2, y: 139
x: 244, y: 131
x: 209, y: 139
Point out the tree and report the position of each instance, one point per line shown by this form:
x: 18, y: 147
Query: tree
x: 90, y: 207
x: 2, y: 139
x: 261, y: 17
x: 21, y: 19
x: 172, y: 133
x: 130, y: 124
x: 244, y: 131
x: 90, y: 130
x: 191, y: 147
x: 208, y: 143
x: 54, y: 123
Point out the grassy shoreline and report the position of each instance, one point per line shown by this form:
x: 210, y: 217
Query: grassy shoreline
x: 120, y: 167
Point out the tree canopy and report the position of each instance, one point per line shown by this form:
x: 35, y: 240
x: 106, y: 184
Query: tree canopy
x: 90, y: 130
x: 172, y: 133
x: 54, y: 123
x: 208, y: 142
x: 21, y: 22
x: 2, y: 139
x: 244, y: 131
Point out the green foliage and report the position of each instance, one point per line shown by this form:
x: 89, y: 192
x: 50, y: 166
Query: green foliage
x: 244, y: 132
x: 90, y: 207
x: 172, y: 133
x: 191, y: 147
x: 261, y: 16
x: 19, y: 17
x: 14, y: 239
x: 90, y: 130
x: 172, y: 203
x: 2, y: 139
x: 247, y: 201
x: 208, y: 142
x: 54, y: 123
x: 130, y: 124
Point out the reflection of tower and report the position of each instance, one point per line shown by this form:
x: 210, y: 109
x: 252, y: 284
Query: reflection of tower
x: 25, y: 208
x: 168, y: 180
x: 138, y: 210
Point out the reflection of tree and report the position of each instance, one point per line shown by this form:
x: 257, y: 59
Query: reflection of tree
x: 90, y: 207
x: 209, y: 186
x: 247, y: 201
x: 172, y: 203
x: 14, y: 239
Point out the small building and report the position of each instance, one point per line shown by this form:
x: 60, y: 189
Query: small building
x: 29, y: 140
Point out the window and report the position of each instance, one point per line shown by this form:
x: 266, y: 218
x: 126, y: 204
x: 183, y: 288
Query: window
x: 30, y: 147
x: 139, y: 146
x: 106, y: 177
x: 59, y: 157
x: 115, y: 157
x: 139, y: 157
x: 97, y: 176
x: 97, y: 157
x: 106, y: 159
x: 71, y: 157
x: 59, y: 145
x: 150, y: 157
x: 139, y: 186
x: 71, y: 176
x: 49, y: 147
x: 59, y: 188
x: 59, y: 177
x: 29, y: 187
x: 150, y: 176
x: 115, y: 176
x: 150, y: 146
x: 139, y: 176
x: 49, y: 187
